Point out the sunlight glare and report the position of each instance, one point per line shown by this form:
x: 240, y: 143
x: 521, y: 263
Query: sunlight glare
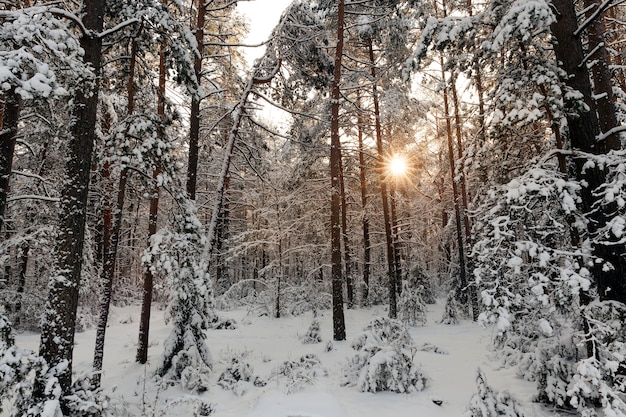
x: 398, y: 166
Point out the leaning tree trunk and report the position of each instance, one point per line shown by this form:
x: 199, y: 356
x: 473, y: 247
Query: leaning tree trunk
x: 583, y: 128
x: 57, y: 335
x: 8, y: 135
x: 339, y: 325
x: 111, y: 234
x: 391, y: 272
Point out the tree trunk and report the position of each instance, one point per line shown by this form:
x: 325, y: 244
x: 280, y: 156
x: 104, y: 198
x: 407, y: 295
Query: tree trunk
x: 466, y: 222
x: 8, y: 135
x: 146, y: 304
x: 603, y: 87
x: 346, y: 243
x: 339, y: 325
x: 455, y: 191
x: 108, y: 274
x: 583, y: 129
x: 391, y: 272
x: 194, y: 116
x: 365, y: 221
x: 57, y: 336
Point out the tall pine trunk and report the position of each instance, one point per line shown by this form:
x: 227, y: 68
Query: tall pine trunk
x: 346, y: 243
x: 194, y: 116
x: 391, y: 270
x: 583, y: 128
x: 8, y: 135
x: 365, y: 218
x: 57, y: 335
x: 339, y: 325
x: 462, y: 283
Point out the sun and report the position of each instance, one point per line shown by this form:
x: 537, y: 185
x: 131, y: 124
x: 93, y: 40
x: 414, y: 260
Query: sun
x: 398, y: 166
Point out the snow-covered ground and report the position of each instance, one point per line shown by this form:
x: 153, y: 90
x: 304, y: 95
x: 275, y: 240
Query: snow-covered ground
x: 267, y: 342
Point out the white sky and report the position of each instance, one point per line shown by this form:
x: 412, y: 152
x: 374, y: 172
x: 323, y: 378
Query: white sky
x: 263, y: 16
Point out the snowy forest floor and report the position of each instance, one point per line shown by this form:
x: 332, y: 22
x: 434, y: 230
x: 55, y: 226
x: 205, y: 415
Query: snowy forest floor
x: 267, y: 342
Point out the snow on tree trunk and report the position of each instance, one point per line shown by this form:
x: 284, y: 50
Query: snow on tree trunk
x: 57, y: 337
x: 339, y: 325
x: 8, y: 135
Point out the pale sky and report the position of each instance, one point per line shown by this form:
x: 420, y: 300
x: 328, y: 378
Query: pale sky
x: 263, y: 16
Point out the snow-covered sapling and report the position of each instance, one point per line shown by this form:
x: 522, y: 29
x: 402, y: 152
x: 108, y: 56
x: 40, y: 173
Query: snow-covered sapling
x: 313, y: 334
x: 299, y: 373
x: 451, y: 310
x: 487, y: 403
x: 411, y: 306
x: 383, y: 361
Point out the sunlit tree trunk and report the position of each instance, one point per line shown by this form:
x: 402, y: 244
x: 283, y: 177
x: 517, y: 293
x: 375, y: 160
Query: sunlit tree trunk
x: 339, y: 325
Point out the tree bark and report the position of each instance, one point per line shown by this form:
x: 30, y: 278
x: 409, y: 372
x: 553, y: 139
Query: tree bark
x: 346, y: 242
x: 8, y: 135
x: 582, y: 130
x: 339, y: 325
x: 57, y: 337
x: 365, y: 217
x: 603, y: 87
x: 194, y: 116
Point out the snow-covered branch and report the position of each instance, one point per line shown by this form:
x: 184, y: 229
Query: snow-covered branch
x: 33, y: 197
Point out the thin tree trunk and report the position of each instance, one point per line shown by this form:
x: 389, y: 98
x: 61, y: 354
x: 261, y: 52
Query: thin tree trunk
x: 346, y: 243
x: 57, y: 336
x: 146, y: 304
x: 8, y: 135
x: 455, y: 190
x: 466, y: 222
x: 339, y: 325
x: 365, y: 221
x: 393, y: 313
x: 194, y: 117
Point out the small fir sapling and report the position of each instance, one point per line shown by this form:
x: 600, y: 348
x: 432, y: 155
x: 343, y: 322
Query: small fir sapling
x: 487, y: 403
x: 177, y: 256
x: 451, y: 310
x: 383, y: 361
x: 313, y: 333
x: 418, y: 278
x: 411, y: 306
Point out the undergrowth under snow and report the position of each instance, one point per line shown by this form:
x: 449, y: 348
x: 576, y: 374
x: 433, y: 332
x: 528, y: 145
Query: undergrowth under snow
x: 259, y: 357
